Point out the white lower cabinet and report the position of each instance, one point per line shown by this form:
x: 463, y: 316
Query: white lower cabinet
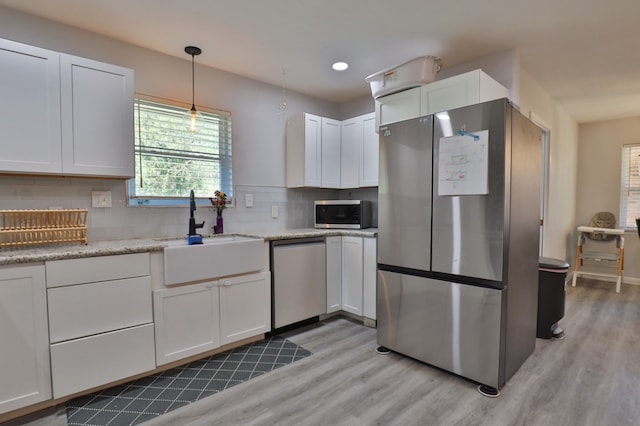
x: 245, y: 307
x: 369, y: 277
x: 84, y: 310
x: 100, y: 319
x: 334, y: 273
x: 351, y: 275
x: 91, y: 361
x: 194, y: 318
x: 187, y: 321
x: 25, y: 377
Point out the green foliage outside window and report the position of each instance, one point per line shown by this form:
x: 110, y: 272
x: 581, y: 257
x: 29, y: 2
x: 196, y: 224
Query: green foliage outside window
x: 171, y: 160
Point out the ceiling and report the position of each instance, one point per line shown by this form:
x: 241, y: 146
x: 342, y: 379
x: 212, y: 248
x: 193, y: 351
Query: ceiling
x: 584, y: 53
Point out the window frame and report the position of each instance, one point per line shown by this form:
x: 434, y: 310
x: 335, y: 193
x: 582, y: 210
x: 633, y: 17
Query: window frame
x: 182, y: 201
x: 629, y: 183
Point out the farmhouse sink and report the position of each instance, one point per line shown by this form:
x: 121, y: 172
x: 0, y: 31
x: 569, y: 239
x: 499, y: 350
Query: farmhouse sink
x: 215, y: 257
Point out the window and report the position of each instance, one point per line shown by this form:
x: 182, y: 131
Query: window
x: 171, y: 160
x: 630, y: 186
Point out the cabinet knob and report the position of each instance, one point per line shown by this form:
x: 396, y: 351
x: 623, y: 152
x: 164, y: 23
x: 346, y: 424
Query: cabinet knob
x: 227, y: 282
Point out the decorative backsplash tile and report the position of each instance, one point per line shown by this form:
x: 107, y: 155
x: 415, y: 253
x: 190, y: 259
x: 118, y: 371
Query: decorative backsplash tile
x: 295, y: 207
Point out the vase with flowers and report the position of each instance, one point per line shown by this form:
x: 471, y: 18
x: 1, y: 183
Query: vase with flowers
x: 219, y: 202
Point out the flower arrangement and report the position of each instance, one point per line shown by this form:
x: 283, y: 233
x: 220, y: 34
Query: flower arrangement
x: 219, y: 202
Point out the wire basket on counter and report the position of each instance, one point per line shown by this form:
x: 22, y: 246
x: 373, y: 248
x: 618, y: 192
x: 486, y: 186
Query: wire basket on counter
x: 34, y: 227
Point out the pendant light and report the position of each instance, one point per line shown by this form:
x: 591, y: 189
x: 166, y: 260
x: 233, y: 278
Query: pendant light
x: 193, y: 51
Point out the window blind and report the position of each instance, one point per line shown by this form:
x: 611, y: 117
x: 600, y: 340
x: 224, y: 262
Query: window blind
x: 171, y: 159
x: 630, y: 186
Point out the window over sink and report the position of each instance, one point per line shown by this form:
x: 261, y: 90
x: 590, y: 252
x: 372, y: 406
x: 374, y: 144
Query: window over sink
x: 171, y: 159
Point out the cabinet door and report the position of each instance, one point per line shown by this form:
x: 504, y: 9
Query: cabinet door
x: 461, y: 90
x: 97, y: 118
x: 398, y: 107
x: 369, y: 276
x: 334, y: 274
x: 450, y: 93
x: 369, y: 157
x: 330, y: 153
x: 186, y: 320
x: 245, y: 307
x: 25, y: 376
x: 29, y: 109
x: 312, y: 150
x: 350, y: 152
x: 352, y: 274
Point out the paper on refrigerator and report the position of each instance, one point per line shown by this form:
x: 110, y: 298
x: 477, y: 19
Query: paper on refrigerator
x: 463, y: 164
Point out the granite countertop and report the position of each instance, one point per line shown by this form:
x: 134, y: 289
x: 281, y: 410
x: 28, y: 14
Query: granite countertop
x: 71, y: 251
x: 11, y: 256
x: 285, y: 234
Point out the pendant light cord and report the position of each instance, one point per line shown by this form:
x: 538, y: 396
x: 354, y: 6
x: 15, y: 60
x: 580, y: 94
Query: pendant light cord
x: 193, y: 82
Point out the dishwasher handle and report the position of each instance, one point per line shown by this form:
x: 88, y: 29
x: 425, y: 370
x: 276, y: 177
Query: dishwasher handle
x: 295, y: 241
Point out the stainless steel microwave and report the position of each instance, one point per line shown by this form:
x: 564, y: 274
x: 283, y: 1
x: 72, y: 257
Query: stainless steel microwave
x: 349, y: 214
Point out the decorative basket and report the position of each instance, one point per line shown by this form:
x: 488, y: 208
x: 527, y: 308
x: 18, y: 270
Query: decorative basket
x: 34, y: 227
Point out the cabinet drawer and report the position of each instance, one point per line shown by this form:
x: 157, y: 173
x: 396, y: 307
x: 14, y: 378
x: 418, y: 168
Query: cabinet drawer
x: 94, y: 269
x: 82, y: 310
x: 81, y: 364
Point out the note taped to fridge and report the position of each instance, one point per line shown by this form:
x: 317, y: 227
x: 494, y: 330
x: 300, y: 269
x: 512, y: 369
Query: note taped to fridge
x: 463, y: 164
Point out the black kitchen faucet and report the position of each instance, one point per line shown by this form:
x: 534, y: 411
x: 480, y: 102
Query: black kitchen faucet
x: 192, y: 221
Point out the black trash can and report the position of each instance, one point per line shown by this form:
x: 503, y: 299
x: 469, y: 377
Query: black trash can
x: 551, y: 294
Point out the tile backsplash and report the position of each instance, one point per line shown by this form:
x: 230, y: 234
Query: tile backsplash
x: 295, y: 207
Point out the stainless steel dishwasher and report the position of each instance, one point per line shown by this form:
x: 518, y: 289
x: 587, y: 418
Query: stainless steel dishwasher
x: 299, y: 274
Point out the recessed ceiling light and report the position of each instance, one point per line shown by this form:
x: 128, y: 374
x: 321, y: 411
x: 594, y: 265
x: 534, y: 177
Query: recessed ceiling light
x: 340, y: 66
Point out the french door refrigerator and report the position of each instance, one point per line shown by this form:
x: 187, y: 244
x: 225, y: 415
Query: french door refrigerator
x: 458, y: 219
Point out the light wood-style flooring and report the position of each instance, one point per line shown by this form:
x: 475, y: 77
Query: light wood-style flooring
x: 591, y: 377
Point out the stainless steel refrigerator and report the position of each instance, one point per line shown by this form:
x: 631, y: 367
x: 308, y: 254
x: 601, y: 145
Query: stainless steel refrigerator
x: 458, y: 219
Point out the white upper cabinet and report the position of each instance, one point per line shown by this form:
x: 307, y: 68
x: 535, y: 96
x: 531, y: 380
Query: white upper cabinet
x: 330, y: 164
x: 327, y: 153
x: 29, y: 109
x: 352, y: 134
x: 369, y: 152
x: 359, y: 152
x: 470, y: 88
x: 64, y: 115
x: 398, y: 106
x: 304, y: 151
x: 461, y: 90
x: 97, y: 118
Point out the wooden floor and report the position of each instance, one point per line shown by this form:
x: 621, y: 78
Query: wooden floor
x: 592, y: 377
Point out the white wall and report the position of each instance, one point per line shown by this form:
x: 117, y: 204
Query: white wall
x: 559, y: 228
x: 599, y: 159
x: 258, y: 130
x: 258, y: 138
x: 530, y: 97
x: 502, y: 67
